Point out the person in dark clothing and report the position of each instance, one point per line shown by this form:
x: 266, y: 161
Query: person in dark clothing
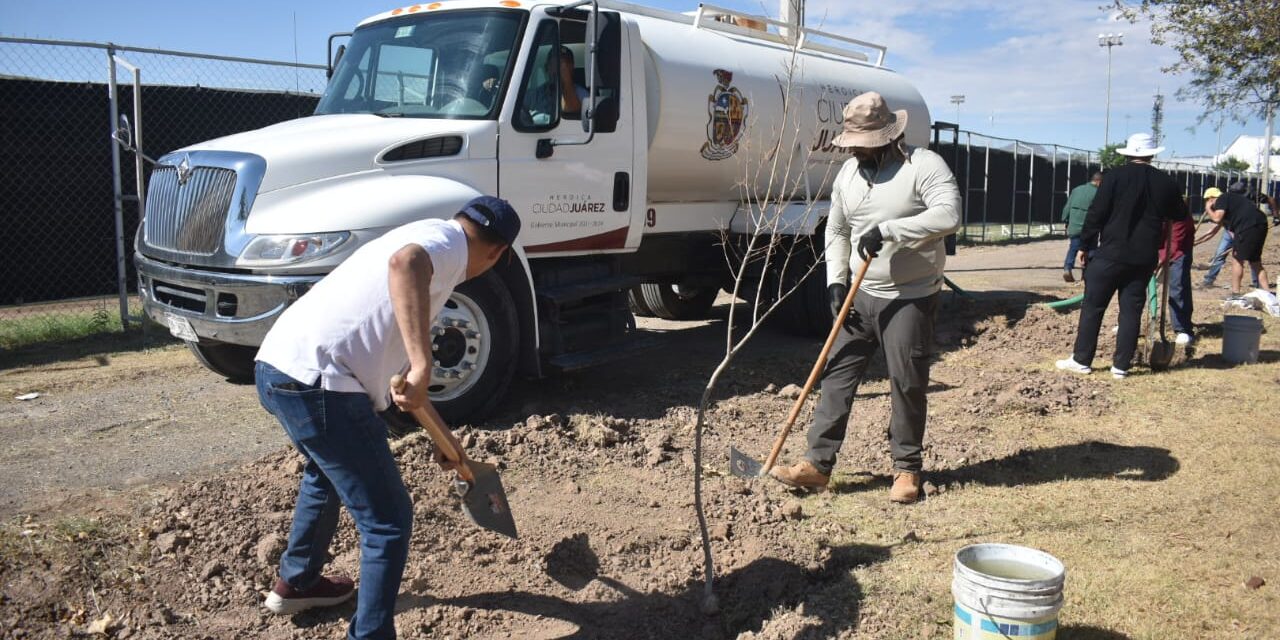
x: 1073, y: 214
x: 1224, y: 246
x: 1129, y: 212
x: 1248, y: 227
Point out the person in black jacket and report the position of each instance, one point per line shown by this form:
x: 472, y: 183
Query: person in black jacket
x: 1248, y: 227
x: 1135, y: 205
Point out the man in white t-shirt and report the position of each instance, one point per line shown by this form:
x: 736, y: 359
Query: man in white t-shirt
x: 324, y: 370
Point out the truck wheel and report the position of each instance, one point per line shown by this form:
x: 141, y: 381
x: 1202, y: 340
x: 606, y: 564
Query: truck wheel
x: 805, y: 312
x: 635, y: 300
x: 231, y: 361
x: 678, y: 302
x: 474, y: 345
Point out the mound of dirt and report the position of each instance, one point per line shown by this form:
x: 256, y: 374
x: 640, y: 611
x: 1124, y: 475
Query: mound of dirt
x: 1038, y: 393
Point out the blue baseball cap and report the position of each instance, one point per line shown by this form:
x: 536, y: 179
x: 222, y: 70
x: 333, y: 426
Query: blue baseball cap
x: 496, y: 215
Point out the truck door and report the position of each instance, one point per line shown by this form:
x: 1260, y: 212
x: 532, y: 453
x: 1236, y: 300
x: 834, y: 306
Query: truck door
x: 578, y: 197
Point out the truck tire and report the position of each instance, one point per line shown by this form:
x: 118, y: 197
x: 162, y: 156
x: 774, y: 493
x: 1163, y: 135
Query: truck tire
x: 475, y: 342
x: 676, y: 302
x: 635, y: 300
x: 231, y: 361
x: 806, y: 312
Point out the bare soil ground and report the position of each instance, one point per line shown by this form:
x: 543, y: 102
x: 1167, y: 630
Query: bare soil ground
x: 144, y: 497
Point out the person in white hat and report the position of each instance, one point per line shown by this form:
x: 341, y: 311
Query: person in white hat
x: 1135, y: 208
x: 896, y: 203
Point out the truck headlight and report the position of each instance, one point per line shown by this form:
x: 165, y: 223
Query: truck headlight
x: 277, y: 250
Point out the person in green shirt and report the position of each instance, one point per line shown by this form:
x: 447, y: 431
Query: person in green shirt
x: 1073, y: 214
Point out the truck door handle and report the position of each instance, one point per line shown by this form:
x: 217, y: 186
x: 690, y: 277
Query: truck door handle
x: 621, y: 191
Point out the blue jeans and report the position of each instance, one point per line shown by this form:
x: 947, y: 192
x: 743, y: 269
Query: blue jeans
x: 348, y: 461
x: 1180, y: 293
x: 1072, y: 247
x: 1219, y: 258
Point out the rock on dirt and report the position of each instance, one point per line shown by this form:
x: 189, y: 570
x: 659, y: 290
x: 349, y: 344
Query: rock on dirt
x: 1255, y: 582
x: 792, y: 510
x: 269, y: 549
x: 790, y: 392
x: 171, y: 541
x: 211, y: 569
x: 722, y: 531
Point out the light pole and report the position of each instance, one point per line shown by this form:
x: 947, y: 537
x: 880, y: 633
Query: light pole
x: 1109, y: 40
x: 957, y: 100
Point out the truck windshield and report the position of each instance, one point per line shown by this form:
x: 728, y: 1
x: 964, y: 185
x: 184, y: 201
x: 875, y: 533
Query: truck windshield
x: 438, y: 65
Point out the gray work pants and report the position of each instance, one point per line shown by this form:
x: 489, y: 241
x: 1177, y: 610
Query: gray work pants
x: 905, y: 329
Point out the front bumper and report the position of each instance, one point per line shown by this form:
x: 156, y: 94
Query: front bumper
x: 221, y: 307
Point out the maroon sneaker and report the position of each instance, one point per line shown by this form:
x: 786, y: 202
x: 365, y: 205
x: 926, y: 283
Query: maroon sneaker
x: 326, y: 592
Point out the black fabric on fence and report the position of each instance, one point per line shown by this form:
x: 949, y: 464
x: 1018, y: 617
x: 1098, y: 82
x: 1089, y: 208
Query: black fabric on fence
x: 55, y: 173
x: 1041, y: 191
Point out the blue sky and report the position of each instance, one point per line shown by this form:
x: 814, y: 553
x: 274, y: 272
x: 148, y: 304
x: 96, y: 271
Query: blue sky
x: 1028, y: 70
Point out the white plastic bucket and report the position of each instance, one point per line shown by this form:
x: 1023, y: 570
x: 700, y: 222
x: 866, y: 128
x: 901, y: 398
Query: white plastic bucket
x: 1004, y: 591
x: 1240, y: 339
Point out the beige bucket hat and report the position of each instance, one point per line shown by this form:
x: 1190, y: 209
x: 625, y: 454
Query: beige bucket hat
x: 868, y: 122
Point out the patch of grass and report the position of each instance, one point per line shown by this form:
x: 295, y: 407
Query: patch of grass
x: 99, y: 346
x: 18, y: 332
x: 78, y: 528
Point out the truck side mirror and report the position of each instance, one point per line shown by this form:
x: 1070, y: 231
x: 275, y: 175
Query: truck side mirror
x: 332, y: 60
x: 124, y: 133
x: 544, y: 150
x: 342, y: 49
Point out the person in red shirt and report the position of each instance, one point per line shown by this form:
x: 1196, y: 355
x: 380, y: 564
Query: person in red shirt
x: 1178, y: 262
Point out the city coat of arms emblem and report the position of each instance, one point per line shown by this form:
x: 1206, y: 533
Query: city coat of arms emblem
x: 726, y: 117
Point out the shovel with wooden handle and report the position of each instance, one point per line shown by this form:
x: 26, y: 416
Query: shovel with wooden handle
x: 483, y: 498
x: 742, y: 465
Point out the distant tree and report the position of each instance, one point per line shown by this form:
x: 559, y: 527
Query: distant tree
x: 1232, y: 164
x: 1108, y: 156
x: 1230, y: 50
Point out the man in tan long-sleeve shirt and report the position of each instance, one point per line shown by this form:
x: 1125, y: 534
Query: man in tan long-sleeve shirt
x: 899, y: 203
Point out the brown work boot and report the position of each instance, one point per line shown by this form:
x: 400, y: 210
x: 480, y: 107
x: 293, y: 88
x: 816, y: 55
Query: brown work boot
x: 906, y: 487
x: 801, y: 475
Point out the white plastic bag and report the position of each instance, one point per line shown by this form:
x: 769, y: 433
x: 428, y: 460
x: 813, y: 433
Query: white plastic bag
x: 1265, y: 301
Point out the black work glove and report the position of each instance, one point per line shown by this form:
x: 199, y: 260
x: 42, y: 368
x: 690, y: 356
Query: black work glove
x: 870, y: 244
x: 836, y: 293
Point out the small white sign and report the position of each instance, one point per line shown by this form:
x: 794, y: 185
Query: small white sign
x: 180, y: 327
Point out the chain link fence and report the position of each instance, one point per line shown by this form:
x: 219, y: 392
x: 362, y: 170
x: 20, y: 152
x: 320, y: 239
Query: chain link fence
x: 59, y: 252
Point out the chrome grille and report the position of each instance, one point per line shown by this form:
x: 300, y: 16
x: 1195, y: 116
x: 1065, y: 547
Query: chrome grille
x: 188, y: 218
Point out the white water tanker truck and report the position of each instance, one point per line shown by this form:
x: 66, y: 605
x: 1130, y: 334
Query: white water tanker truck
x: 626, y: 202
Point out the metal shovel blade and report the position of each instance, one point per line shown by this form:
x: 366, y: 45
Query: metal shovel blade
x: 485, y: 501
x: 1160, y: 354
x: 744, y: 466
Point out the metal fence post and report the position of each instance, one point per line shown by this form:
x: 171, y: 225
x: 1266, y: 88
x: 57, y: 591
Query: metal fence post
x: 1031, y: 188
x: 986, y: 188
x: 118, y: 201
x: 1053, y: 189
x: 968, y: 179
x: 1013, y: 184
